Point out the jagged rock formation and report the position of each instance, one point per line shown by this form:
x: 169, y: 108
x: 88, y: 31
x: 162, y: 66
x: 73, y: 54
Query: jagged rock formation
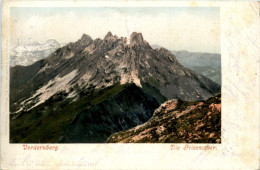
x: 100, y: 63
x: 75, y: 75
x: 177, y: 121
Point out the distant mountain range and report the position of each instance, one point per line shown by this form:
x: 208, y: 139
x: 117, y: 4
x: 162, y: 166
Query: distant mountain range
x: 31, y: 51
x: 207, y: 64
x: 87, y: 90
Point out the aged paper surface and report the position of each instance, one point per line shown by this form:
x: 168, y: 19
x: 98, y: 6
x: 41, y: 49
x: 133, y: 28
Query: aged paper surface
x: 239, y: 148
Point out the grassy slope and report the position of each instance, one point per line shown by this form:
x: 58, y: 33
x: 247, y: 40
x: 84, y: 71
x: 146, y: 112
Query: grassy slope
x: 48, y: 121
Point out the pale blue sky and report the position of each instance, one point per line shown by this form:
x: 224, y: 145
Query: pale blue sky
x: 193, y: 29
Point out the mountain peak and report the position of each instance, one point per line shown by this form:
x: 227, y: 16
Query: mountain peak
x: 83, y: 42
x: 85, y: 37
x: 109, y: 34
x: 52, y: 41
x: 136, y: 38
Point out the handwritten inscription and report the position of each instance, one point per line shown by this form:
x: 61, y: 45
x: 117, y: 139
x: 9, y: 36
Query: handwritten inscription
x: 192, y: 147
x: 40, y: 147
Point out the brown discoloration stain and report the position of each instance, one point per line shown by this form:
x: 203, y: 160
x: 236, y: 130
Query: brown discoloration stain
x: 194, y: 4
x: 249, y: 18
x: 246, y: 18
x: 248, y: 151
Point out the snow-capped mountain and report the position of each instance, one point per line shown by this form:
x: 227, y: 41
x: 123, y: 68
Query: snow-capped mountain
x: 87, y: 90
x: 30, y: 51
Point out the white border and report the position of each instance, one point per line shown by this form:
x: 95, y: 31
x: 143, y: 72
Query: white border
x: 240, y: 103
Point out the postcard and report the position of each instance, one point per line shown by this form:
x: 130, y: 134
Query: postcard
x: 130, y: 85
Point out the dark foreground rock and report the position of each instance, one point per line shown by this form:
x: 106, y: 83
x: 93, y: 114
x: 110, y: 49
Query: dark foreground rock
x: 177, y: 121
x: 90, y: 119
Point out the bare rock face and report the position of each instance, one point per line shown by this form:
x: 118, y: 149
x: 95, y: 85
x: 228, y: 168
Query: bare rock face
x: 102, y: 63
x: 136, y: 39
x: 178, y: 122
x: 75, y: 75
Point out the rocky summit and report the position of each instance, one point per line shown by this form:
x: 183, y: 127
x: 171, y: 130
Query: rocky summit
x: 85, y: 88
x: 177, y: 121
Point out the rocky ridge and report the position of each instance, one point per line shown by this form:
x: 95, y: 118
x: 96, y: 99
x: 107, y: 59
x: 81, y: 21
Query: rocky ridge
x: 96, y: 64
x: 177, y: 121
x: 87, y: 90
